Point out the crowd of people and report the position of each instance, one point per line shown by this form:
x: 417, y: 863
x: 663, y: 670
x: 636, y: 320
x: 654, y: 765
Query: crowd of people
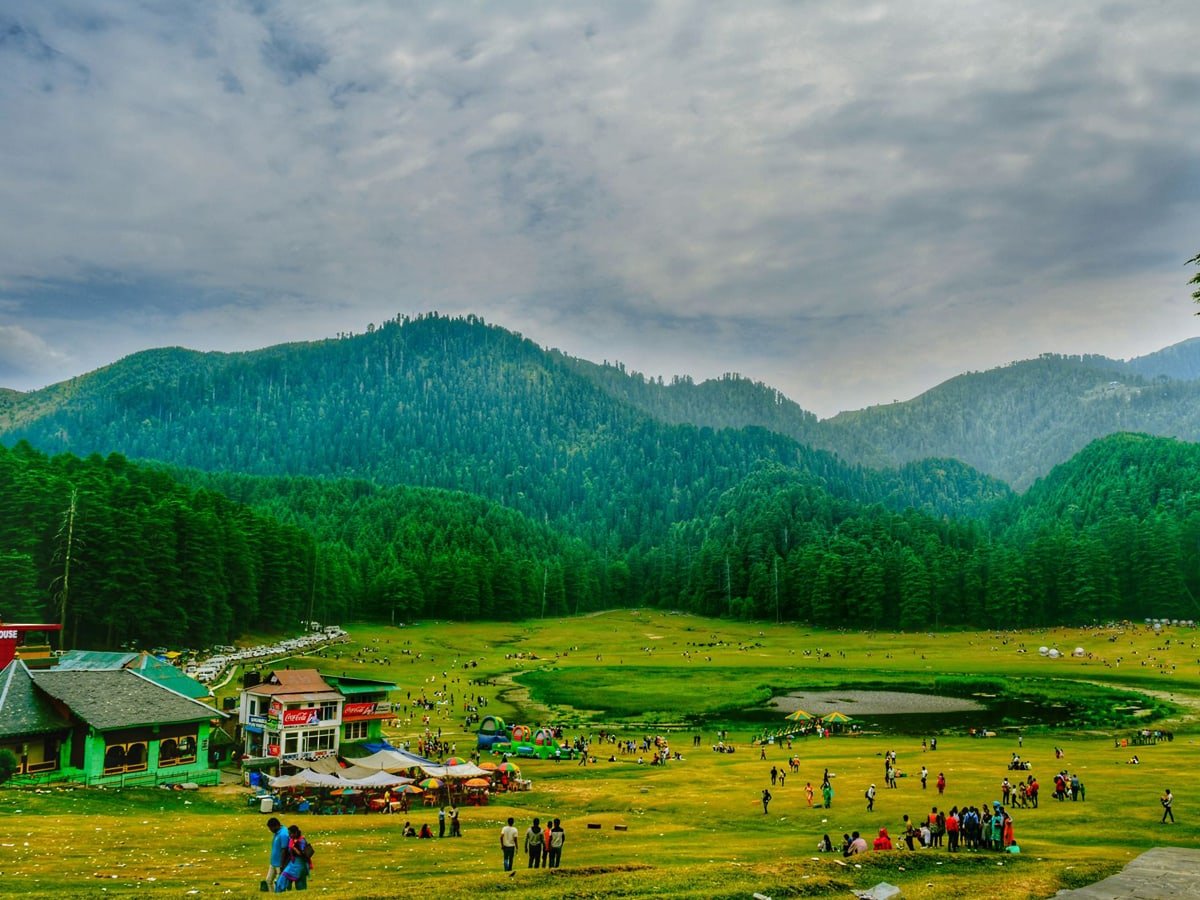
x: 971, y: 827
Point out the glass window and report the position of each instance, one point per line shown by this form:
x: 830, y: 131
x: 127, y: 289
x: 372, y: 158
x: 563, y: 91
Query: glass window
x: 356, y: 731
x: 329, y: 711
x: 291, y: 741
x: 319, y: 739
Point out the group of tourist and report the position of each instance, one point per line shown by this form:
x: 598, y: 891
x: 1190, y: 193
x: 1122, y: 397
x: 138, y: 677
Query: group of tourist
x: 971, y: 827
x: 543, y: 844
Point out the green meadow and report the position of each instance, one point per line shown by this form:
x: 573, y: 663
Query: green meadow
x: 694, y: 828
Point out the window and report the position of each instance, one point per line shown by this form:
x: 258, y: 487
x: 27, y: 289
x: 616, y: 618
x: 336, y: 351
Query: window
x: 291, y: 741
x: 329, y: 711
x: 356, y: 731
x: 176, y: 751
x: 119, y: 758
x: 319, y: 739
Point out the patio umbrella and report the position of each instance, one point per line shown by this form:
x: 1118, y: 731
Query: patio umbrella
x: 455, y: 761
x: 839, y: 718
x: 490, y: 766
x: 511, y: 768
x: 800, y: 716
x: 476, y: 783
x: 430, y: 784
x: 408, y: 789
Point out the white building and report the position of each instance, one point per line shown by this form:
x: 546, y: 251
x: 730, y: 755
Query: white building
x: 292, y: 714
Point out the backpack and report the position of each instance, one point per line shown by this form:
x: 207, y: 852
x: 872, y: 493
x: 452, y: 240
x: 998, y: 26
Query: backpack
x: 306, y: 850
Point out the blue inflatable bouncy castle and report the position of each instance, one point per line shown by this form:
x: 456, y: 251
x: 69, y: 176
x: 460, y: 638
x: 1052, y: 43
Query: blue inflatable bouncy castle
x: 492, y: 730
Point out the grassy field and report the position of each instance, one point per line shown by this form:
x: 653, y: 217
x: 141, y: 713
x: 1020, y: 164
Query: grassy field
x: 695, y: 828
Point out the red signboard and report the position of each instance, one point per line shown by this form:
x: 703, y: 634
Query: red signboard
x: 272, y: 749
x: 301, y: 717
x: 9, y: 634
x: 357, y: 711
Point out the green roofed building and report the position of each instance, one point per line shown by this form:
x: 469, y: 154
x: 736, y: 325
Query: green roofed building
x: 152, y: 667
x: 366, y: 708
x: 104, y: 727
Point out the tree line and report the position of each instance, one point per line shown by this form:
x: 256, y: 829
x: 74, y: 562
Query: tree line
x: 166, y: 555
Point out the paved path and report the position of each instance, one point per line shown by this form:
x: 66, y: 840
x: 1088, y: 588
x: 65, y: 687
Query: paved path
x: 1158, y: 874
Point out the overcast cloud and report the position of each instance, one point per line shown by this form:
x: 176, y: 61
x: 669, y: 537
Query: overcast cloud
x: 851, y: 202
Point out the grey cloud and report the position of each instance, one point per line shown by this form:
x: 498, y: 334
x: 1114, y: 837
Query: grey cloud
x: 676, y: 180
x: 25, y: 356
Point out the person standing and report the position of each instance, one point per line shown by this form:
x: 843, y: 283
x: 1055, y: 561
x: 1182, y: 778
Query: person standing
x: 774, y: 774
x: 455, y: 826
x: 808, y: 793
x: 508, y: 844
x: 279, y: 846
x: 533, y: 844
x: 941, y: 782
x: 557, y: 838
x: 442, y: 822
x: 827, y: 793
x: 546, y: 843
x: 766, y: 798
x: 1167, y: 801
x: 871, y: 798
x: 924, y: 777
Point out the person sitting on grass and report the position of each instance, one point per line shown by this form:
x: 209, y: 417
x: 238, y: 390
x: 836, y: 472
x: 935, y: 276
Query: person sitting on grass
x: 883, y: 842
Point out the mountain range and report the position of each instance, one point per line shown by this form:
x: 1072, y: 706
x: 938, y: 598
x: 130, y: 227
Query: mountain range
x: 389, y: 386
x: 446, y: 467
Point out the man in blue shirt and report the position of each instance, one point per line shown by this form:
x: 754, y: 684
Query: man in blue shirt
x: 279, y: 847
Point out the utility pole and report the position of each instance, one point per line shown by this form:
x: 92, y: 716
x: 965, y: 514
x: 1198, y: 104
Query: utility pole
x: 728, y: 590
x: 777, y: 619
x: 68, y: 531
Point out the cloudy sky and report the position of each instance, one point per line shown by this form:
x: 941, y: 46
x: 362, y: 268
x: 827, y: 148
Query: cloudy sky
x: 849, y: 201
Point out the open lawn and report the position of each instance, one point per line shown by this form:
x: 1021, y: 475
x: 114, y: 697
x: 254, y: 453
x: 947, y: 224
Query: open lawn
x: 696, y: 827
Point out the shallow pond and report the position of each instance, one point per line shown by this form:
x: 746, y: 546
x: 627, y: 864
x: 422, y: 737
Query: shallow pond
x: 911, y: 712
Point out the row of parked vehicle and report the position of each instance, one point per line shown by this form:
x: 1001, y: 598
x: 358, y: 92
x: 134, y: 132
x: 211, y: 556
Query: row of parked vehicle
x: 211, y: 668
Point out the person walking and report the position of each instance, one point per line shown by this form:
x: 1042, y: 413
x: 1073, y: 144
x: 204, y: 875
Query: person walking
x: 298, y: 863
x: 827, y: 793
x: 766, y: 798
x: 533, y: 844
x: 279, y: 846
x: 557, y: 838
x: 808, y: 793
x: 871, y: 798
x: 508, y: 844
x: 1167, y: 801
x: 924, y: 777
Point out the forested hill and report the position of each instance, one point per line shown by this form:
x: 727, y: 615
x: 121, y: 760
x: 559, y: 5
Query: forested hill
x: 450, y: 403
x: 1180, y: 361
x: 1017, y: 422
x: 727, y: 402
x: 1014, y: 423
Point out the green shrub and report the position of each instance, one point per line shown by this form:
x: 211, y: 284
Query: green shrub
x: 8, y: 765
